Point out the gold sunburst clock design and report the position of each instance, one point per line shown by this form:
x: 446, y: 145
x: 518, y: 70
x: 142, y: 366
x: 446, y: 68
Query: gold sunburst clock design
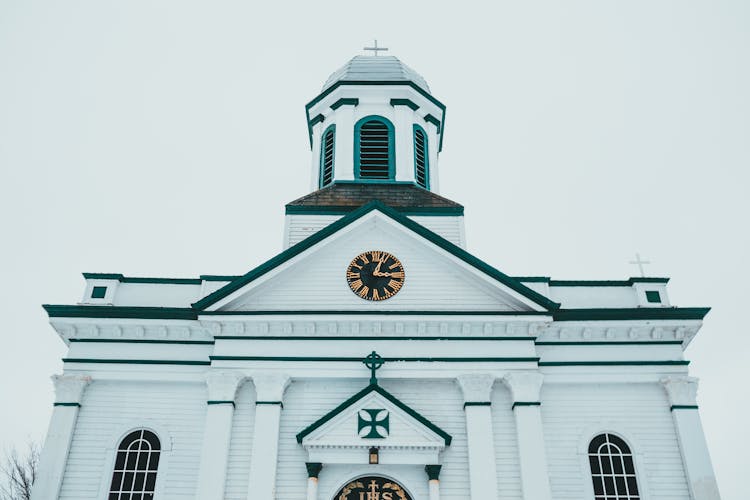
x: 375, y: 275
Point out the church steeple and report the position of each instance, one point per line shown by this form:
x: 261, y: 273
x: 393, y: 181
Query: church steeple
x: 375, y: 121
x: 375, y: 134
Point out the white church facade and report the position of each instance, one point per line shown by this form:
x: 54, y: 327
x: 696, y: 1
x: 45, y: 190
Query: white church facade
x: 374, y: 358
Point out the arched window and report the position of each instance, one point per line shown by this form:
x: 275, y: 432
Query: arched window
x: 421, y: 161
x: 373, y: 149
x: 326, y: 156
x: 612, y: 469
x: 136, y: 462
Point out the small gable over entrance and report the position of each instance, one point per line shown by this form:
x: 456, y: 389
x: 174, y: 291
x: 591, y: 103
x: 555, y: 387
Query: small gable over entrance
x: 373, y: 418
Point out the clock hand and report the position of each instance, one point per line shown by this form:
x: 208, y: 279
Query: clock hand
x: 376, y: 272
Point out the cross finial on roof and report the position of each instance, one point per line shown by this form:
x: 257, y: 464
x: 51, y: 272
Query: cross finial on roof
x: 375, y: 48
x: 638, y: 262
x: 373, y: 361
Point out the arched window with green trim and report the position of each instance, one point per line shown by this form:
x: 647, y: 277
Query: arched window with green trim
x: 421, y: 160
x: 374, y: 149
x: 327, y: 153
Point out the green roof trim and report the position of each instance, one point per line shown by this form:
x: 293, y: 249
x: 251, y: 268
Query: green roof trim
x: 634, y: 313
x: 338, y: 359
x: 338, y: 84
x: 628, y: 282
x: 669, y: 362
x: 385, y: 338
x: 146, y: 341
x: 533, y: 279
x: 434, y: 121
x: 314, y: 121
x: 66, y: 311
x: 345, y: 101
x: 127, y: 279
x: 213, y: 277
x: 380, y: 312
x: 396, y: 216
x: 138, y: 361
x: 343, y: 210
x: 387, y: 395
x: 405, y: 102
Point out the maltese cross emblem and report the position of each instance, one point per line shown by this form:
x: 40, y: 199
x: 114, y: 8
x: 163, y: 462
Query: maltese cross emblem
x: 373, y: 424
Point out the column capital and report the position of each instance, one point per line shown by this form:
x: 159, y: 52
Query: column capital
x: 476, y: 387
x: 270, y: 386
x: 313, y: 469
x: 682, y: 391
x: 525, y: 387
x: 433, y: 472
x: 69, y: 388
x: 223, y: 384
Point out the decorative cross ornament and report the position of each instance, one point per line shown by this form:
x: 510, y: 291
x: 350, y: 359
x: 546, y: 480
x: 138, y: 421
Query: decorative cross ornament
x: 373, y: 424
x: 638, y: 262
x: 375, y: 48
x: 373, y: 361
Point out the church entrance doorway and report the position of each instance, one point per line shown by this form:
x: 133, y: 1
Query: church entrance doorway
x: 372, y: 488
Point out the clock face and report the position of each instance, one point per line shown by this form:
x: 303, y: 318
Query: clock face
x: 375, y: 275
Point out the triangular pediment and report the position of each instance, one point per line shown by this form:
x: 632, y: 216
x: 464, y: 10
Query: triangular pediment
x: 439, y: 275
x: 373, y: 417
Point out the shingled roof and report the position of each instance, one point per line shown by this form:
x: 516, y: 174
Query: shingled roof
x: 345, y: 197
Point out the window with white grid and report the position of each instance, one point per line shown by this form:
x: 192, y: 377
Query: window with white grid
x: 612, y: 469
x: 134, y: 477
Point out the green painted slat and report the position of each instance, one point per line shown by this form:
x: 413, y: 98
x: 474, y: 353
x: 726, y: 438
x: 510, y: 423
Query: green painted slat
x: 386, y: 338
x: 389, y: 360
x: 146, y: 341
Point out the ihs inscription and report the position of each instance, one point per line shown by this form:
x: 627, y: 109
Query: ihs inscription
x: 375, y: 275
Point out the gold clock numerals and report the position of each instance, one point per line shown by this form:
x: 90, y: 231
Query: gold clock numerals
x: 375, y: 275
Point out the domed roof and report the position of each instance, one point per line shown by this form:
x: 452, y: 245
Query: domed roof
x: 376, y: 69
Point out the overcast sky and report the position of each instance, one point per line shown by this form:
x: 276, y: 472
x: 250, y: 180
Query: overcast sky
x: 158, y: 138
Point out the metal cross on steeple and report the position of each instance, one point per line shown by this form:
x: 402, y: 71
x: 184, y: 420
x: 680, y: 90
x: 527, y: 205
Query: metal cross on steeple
x: 373, y: 361
x: 375, y: 48
x: 638, y: 262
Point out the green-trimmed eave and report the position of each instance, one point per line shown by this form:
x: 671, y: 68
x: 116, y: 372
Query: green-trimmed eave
x: 96, y: 311
x: 632, y: 313
x: 343, y: 210
x: 334, y: 227
x: 390, y: 397
x: 413, y: 85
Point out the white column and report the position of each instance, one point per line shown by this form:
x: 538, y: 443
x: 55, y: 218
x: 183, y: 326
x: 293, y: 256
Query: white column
x: 525, y: 387
x: 477, y: 390
x: 317, y: 130
x: 682, y: 392
x: 269, y: 388
x: 404, y: 142
x: 217, y: 433
x: 343, y: 167
x: 313, y: 470
x: 433, y: 480
x: 68, y: 393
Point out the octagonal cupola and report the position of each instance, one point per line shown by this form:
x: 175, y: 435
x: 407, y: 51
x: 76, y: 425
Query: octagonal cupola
x: 375, y: 121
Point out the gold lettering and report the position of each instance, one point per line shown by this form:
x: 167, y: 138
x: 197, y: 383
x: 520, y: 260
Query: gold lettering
x: 376, y: 256
x: 363, y: 293
x: 375, y: 295
x: 387, y: 495
x: 394, y: 266
x: 364, y: 258
x: 396, y: 285
x: 352, y: 274
x: 397, y: 274
x: 356, y: 285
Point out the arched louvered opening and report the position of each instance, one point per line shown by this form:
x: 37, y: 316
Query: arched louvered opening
x: 374, y: 149
x: 612, y: 469
x: 134, y: 475
x: 421, y: 161
x: 327, y: 156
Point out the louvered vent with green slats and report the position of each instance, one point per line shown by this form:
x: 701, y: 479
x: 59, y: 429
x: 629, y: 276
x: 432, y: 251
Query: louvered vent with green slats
x: 420, y: 157
x: 375, y: 150
x: 326, y: 160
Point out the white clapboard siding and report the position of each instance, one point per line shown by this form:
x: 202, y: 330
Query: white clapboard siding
x: 306, y: 401
x: 506, y: 444
x: 241, y: 445
x: 300, y: 227
x: 109, y: 409
x: 318, y: 281
x: 638, y: 412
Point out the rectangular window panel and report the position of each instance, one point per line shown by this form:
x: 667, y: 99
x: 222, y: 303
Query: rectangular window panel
x: 98, y: 292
